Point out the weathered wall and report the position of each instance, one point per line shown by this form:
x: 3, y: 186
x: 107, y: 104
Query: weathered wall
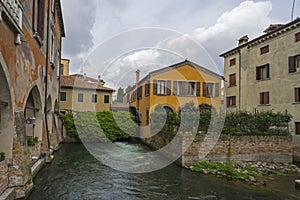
x: 239, y: 148
x: 3, y: 176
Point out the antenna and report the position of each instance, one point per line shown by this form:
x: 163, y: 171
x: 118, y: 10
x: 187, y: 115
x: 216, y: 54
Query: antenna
x: 293, y: 8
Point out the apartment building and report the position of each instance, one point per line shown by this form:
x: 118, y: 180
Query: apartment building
x: 31, y: 32
x: 264, y: 73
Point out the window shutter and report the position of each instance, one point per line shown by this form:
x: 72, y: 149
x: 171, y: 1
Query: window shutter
x: 227, y: 101
x: 168, y: 88
x: 292, y: 64
x: 204, y: 90
x: 198, y: 89
x: 268, y: 70
x: 41, y: 17
x: 175, y: 87
x: 297, y: 131
x: 216, y: 90
x: 258, y: 77
x: 266, y: 97
x: 154, y: 86
x: 233, y: 101
x: 297, y: 99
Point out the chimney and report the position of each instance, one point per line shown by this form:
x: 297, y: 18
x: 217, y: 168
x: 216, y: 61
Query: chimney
x: 243, y: 40
x: 100, y: 81
x: 137, y: 76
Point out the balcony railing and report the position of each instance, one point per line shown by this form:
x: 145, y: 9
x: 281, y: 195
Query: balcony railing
x: 12, y: 9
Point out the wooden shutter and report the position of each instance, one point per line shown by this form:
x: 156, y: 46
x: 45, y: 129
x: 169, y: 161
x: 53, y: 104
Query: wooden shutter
x: 232, y: 80
x: 297, y: 95
x: 204, y: 90
x: 154, y: 86
x: 297, y: 37
x: 168, y: 88
x: 198, y: 89
x: 258, y: 74
x: 268, y: 70
x: 227, y: 101
x: 41, y: 18
x: 233, y: 101
x: 292, y: 64
x: 297, y: 128
x: 266, y: 98
x: 175, y: 87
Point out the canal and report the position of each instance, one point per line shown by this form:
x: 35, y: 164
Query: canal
x: 75, y: 174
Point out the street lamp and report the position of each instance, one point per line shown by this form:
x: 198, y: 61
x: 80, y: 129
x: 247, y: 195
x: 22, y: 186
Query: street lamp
x: 31, y: 120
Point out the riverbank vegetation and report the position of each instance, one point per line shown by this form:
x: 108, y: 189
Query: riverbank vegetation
x: 102, y: 126
x: 246, y: 171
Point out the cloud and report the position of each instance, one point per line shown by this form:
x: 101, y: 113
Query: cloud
x: 79, y: 19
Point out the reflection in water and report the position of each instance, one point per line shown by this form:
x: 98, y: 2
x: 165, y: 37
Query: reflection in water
x: 75, y: 174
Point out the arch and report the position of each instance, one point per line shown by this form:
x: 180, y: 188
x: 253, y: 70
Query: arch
x: 135, y: 112
x: 168, y: 108
x: 6, y: 111
x: 33, y: 114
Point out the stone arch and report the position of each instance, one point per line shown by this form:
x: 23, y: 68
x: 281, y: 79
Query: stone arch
x: 33, y: 114
x: 168, y: 108
x: 7, y: 129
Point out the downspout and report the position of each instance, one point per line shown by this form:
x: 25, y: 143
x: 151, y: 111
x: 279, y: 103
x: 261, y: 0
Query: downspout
x: 240, y: 78
x: 46, y: 77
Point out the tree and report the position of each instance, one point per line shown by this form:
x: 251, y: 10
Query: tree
x: 120, y: 95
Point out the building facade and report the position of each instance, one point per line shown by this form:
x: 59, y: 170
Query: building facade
x: 264, y: 74
x: 84, y: 94
x: 173, y: 87
x: 31, y: 32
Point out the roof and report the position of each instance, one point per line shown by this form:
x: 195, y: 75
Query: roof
x: 82, y: 82
x: 275, y: 30
x: 177, y: 65
x: 180, y: 64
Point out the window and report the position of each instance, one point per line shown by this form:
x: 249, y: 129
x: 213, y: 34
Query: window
x: 147, y: 117
x: 231, y: 101
x: 106, y: 98
x: 297, y: 94
x: 232, y: 62
x: 38, y: 17
x: 147, y: 89
x: 294, y: 64
x: 211, y: 90
x: 80, y: 97
x: 162, y: 87
x: 140, y: 92
x: 232, y: 80
x: 263, y: 72
x: 186, y: 88
x: 63, y: 96
x: 297, y: 37
x: 94, y: 98
x: 264, y: 98
x: 297, y: 128
x: 264, y: 49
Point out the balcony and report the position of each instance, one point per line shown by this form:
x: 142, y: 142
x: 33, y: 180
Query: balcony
x: 11, y: 11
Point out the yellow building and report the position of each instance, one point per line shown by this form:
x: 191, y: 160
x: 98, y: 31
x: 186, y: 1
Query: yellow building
x: 82, y: 93
x: 172, y: 87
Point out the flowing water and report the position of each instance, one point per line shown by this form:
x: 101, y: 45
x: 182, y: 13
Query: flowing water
x: 75, y: 174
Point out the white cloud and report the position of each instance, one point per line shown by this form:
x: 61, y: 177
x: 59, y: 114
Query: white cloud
x: 246, y: 18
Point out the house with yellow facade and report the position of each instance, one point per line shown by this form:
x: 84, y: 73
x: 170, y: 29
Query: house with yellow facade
x: 81, y: 93
x: 172, y: 87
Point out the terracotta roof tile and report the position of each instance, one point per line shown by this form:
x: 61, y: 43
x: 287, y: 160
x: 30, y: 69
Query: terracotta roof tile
x: 83, y: 82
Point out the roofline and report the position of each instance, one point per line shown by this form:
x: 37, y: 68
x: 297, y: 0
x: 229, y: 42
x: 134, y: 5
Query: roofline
x: 83, y: 88
x: 61, y: 20
x: 262, y: 36
x: 177, y: 65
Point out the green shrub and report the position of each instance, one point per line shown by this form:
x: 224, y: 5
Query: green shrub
x: 2, y: 156
x: 31, y: 141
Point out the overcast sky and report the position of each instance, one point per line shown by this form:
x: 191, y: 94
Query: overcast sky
x: 113, y: 38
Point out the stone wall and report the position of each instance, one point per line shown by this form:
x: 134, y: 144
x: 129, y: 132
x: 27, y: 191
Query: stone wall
x: 223, y: 148
x: 3, y: 176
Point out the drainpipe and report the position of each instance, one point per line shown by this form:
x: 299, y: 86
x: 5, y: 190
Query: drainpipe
x: 46, y: 77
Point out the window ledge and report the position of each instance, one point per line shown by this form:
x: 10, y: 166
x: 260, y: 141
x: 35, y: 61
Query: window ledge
x: 38, y: 38
x: 231, y: 86
x: 296, y: 103
x: 261, y: 105
x: 267, y: 79
x: 231, y: 106
x: 296, y: 72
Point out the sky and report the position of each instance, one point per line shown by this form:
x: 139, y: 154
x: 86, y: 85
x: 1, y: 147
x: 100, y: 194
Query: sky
x: 114, y: 38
